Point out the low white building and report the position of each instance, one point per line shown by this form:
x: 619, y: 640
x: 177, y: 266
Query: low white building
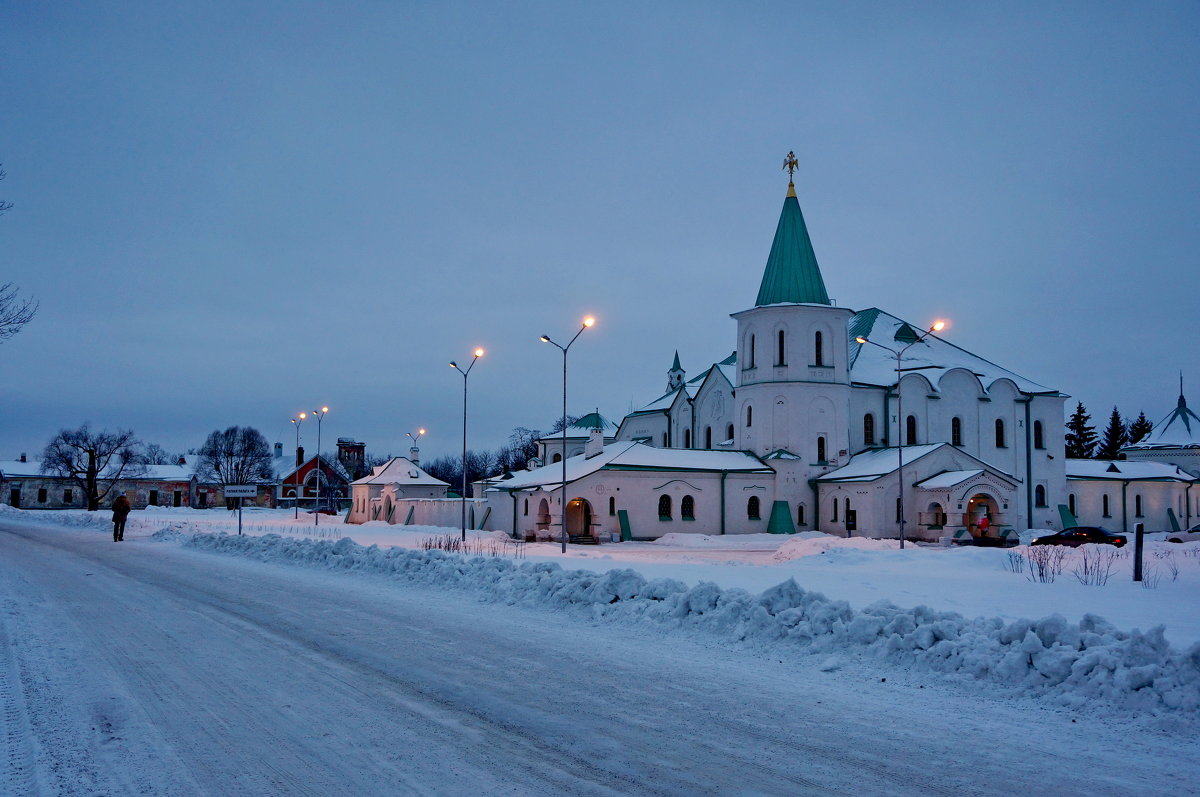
x: 388, y: 492
x: 1119, y: 494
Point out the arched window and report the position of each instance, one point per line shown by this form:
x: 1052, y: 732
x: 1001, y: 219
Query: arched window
x: 526, y: 506
x: 749, y: 416
x: 781, y: 358
x: 612, y: 505
x: 847, y: 515
x: 898, y: 507
x: 666, y: 440
x: 752, y: 509
x: 818, y: 350
x: 1137, y: 506
x: 956, y: 431
x: 664, y: 507
x: 1104, y: 506
x: 557, y: 458
x: 910, y: 431
x: 687, y: 438
x: 1038, y: 438
x: 1039, y: 495
x: 729, y: 432
x: 687, y: 508
x: 821, y: 450
x: 800, y: 515
x: 834, y: 509
x: 1071, y: 503
x: 1000, y: 433
x: 751, y: 364
x: 708, y: 437
x: 868, y: 429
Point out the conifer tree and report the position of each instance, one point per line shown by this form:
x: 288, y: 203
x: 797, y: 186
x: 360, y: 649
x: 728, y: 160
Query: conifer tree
x: 1140, y: 429
x: 1081, y: 435
x: 1115, y: 437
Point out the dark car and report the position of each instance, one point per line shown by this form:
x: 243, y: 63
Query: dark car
x: 1082, y: 535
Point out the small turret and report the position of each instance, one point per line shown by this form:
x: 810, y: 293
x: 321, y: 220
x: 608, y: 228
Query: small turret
x: 675, y: 375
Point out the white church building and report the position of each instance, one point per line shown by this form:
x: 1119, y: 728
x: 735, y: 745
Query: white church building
x: 804, y: 427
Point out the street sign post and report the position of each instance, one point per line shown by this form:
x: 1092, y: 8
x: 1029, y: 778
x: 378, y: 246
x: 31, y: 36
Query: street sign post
x: 240, y: 491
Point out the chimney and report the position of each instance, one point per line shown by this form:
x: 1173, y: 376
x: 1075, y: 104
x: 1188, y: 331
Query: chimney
x: 595, y: 443
x: 279, y: 451
x: 23, y: 456
x: 299, y: 456
x: 182, y: 459
x: 414, y: 456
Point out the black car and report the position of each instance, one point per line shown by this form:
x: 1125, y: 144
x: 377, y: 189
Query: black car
x: 1081, y: 535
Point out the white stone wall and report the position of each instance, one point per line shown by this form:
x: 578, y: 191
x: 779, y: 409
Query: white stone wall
x: 1123, y: 517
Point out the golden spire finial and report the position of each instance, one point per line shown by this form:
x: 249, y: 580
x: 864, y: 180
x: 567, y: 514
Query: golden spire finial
x: 790, y: 163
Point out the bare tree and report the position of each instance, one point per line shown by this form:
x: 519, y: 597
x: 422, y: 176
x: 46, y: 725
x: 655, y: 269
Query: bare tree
x: 4, y: 206
x: 157, y: 455
x: 95, y: 461
x: 238, y: 455
x: 14, y: 312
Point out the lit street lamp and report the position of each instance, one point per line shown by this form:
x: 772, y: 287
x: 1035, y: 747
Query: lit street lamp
x: 587, y: 322
x: 320, y: 416
x: 477, y: 354
x: 299, y: 419
x: 938, y: 326
x: 415, y: 437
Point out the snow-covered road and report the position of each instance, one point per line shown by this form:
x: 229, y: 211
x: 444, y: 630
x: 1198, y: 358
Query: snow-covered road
x: 146, y: 668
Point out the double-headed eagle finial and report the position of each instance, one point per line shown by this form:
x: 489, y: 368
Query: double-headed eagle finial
x: 791, y: 164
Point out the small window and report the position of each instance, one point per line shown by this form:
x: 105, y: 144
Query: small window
x: 729, y: 432
x: 910, y: 430
x: 868, y: 429
x: 751, y: 365
x: 818, y: 350
x: 956, y: 431
x: 687, y: 438
x: 1137, y: 506
x: 708, y: 437
x: 526, y: 506
x: 753, y: 512
x: 782, y: 358
x: 821, y: 450
x: 612, y: 505
x: 1000, y: 433
x: 68, y: 496
x: 800, y: 515
x: 1039, y: 495
x: 1071, y: 503
x: 557, y: 458
x: 1104, y: 505
x: 687, y: 508
x: 153, y: 500
x: 41, y: 495
x: 664, y: 507
x: 1039, y: 440
x: 665, y: 440
x: 834, y: 509
x: 749, y: 417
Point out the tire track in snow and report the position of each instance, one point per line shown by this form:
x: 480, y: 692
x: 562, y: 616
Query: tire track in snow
x: 20, y: 769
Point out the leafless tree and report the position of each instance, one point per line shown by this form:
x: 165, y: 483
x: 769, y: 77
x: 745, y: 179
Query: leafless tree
x: 4, y: 206
x: 238, y: 455
x: 96, y: 461
x: 157, y: 455
x: 14, y: 311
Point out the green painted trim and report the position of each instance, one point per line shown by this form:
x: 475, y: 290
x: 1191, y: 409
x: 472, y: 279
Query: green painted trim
x: 1171, y: 517
x: 487, y: 513
x: 781, y: 519
x: 623, y: 521
x: 408, y: 519
x: 1068, y: 519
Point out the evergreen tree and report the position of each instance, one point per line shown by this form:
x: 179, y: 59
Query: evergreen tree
x: 1115, y: 437
x: 1081, y: 435
x: 1140, y: 429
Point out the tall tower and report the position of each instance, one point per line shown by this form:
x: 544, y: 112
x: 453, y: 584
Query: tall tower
x: 793, y: 386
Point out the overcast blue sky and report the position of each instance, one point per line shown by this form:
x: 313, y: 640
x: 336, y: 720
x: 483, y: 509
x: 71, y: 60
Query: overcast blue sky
x: 232, y: 212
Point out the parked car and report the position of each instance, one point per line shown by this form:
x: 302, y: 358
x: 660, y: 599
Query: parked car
x: 1082, y: 535
x: 1191, y: 535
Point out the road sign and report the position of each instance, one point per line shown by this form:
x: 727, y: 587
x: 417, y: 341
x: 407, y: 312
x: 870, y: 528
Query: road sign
x: 241, y: 491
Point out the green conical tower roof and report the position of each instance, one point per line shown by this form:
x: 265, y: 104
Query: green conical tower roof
x: 792, y: 274
x: 675, y: 366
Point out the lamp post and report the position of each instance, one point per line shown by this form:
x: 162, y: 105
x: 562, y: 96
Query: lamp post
x: 299, y: 419
x: 587, y: 322
x: 463, y: 498
x: 938, y: 326
x: 415, y: 437
x: 320, y: 416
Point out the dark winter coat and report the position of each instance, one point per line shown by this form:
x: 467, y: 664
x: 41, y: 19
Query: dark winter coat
x: 120, y: 508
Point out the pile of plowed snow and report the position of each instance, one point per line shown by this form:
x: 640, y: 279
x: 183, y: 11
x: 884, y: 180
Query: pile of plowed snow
x: 816, y: 544
x: 1069, y: 663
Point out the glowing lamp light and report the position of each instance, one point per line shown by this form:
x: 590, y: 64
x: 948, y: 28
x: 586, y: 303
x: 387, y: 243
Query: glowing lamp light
x: 453, y: 364
x: 587, y: 322
x: 479, y: 352
x: 544, y: 338
x: 420, y: 431
x: 861, y: 339
x: 938, y: 326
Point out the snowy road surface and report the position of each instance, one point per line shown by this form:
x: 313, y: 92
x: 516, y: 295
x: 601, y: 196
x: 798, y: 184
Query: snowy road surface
x: 144, y: 668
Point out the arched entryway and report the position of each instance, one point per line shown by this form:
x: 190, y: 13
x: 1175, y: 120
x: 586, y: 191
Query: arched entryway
x: 980, y: 506
x: 579, y: 518
x: 543, y: 515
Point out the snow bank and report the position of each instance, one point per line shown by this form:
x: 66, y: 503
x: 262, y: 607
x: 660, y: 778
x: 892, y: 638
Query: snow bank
x: 799, y: 547
x: 1069, y: 663
x: 725, y: 542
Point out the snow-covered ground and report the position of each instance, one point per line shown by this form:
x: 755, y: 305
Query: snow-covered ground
x: 322, y: 667
x: 974, y: 582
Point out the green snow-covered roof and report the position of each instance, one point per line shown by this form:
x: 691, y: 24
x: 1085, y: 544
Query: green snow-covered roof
x: 792, y: 274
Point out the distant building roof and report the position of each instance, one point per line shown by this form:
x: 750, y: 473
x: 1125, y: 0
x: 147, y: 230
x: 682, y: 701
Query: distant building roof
x: 400, y: 470
x: 1180, y: 429
x: 1124, y: 470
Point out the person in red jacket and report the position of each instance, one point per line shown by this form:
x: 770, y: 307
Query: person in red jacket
x: 983, y: 524
x: 121, y: 509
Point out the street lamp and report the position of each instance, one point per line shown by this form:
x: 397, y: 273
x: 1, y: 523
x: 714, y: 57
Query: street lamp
x: 938, y: 326
x: 477, y: 354
x: 587, y: 322
x: 320, y: 416
x: 412, y: 452
x: 299, y: 419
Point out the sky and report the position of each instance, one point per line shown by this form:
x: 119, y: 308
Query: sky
x: 231, y: 213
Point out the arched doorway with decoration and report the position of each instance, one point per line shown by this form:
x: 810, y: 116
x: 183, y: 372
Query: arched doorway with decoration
x: 579, y: 518
x: 981, y: 505
x: 543, y: 515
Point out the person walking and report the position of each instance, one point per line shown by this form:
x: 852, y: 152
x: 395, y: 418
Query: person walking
x: 121, y: 509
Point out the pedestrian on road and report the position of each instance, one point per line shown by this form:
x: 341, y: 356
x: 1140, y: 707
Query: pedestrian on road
x: 120, y: 508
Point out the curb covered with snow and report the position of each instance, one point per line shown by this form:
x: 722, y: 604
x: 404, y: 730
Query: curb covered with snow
x: 1070, y: 663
